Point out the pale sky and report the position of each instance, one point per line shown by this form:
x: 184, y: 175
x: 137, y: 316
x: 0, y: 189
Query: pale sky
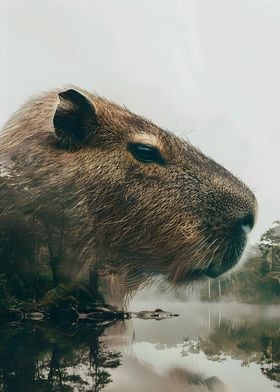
x: 207, y: 70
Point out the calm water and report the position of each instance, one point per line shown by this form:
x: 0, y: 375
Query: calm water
x: 238, y: 343
x: 216, y: 347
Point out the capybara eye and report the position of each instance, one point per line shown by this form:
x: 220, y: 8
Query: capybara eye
x: 146, y: 153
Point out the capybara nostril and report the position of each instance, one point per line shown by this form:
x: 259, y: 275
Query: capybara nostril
x: 247, y: 223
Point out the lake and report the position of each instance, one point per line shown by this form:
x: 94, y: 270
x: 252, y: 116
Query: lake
x: 209, y: 347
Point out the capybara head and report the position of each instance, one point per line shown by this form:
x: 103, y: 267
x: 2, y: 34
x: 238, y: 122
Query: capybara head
x: 145, y: 201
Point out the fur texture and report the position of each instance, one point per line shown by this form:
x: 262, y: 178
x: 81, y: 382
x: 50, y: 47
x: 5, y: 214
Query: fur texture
x: 67, y: 153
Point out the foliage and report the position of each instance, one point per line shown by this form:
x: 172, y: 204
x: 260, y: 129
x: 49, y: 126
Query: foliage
x: 37, y: 272
x: 42, y: 357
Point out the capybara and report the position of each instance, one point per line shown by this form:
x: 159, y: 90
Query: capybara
x: 114, y: 193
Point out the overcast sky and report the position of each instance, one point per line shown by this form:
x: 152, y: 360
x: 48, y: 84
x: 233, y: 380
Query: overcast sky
x: 208, y: 70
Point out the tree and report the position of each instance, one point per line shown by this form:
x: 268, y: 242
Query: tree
x: 270, y: 246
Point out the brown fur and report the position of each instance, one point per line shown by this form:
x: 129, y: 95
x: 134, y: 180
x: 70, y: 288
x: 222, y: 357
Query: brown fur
x: 131, y: 219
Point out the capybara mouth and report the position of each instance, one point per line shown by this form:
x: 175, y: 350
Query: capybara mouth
x: 216, y: 265
x: 200, y: 274
x: 219, y: 268
x: 214, y: 272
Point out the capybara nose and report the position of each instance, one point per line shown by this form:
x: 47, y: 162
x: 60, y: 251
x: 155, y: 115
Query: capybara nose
x: 242, y: 225
x: 239, y: 211
x: 247, y: 222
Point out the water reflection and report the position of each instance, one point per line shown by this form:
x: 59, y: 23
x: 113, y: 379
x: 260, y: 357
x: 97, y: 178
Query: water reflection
x: 205, y: 349
x: 238, y: 343
x: 40, y: 357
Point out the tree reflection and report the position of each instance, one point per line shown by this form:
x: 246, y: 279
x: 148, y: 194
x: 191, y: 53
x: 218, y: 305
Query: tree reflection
x: 271, y: 359
x: 44, y: 358
x: 251, y: 342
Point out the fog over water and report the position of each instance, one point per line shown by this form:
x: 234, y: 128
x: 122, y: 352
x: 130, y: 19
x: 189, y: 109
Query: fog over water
x: 207, y: 70
x: 214, y: 340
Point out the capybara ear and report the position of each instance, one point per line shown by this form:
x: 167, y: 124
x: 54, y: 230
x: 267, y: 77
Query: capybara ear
x: 75, y: 118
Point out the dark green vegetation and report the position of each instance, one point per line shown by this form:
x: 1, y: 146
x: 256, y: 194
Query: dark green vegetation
x: 42, y: 358
x: 35, y: 275
x: 258, y: 280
